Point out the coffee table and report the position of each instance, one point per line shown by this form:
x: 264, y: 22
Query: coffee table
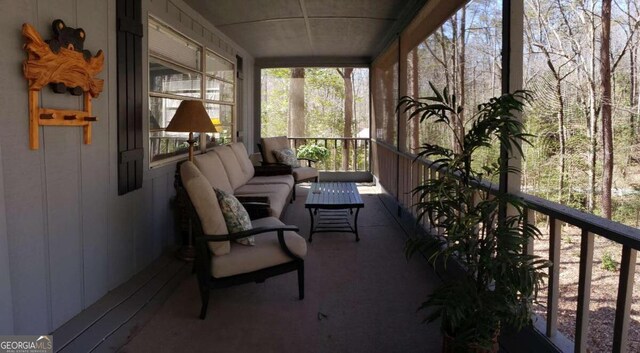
x: 331, y: 208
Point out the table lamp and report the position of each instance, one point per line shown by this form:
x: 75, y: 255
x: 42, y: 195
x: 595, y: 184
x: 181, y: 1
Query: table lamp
x: 191, y: 117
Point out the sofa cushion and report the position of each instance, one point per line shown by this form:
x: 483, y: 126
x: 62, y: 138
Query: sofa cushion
x: 270, y: 144
x: 236, y: 176
x: 265, y: 253
x: 212, y: 168
x: 275, y: 179
x: 278, y: 195
x: 304, y: 173
x: 263, y: 189
x: 287, y: 156
x: 243, y: 158
x: 235, y: 216
x: 205, y: 202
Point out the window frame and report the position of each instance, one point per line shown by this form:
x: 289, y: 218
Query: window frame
x: 202, y: 72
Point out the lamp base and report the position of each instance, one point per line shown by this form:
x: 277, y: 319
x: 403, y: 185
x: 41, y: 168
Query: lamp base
x: 186, y: 253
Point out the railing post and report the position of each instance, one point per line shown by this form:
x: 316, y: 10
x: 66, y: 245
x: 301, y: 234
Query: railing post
x: 584, y: 291
x: 553, y: 290
x: 367, y: 155
x: 623, y: 304
x: 355, y: 154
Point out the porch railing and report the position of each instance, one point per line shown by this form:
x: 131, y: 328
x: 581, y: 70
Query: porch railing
x: 400, y: 174
x: 346, y: 154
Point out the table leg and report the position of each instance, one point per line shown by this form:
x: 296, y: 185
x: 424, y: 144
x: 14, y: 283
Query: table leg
x: 311, y: 228
x: 356, y: 224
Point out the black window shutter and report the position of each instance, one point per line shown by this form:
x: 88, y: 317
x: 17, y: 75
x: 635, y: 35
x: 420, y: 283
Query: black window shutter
x: 130, y: 144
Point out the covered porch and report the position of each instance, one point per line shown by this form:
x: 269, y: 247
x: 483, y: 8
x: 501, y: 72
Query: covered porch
x: 88, y: 232
x: 360, y: 297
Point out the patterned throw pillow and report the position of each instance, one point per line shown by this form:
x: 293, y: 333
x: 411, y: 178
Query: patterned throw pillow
x: 287, y: 156
x: 235, y: 216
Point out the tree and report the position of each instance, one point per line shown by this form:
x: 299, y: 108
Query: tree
x: 296, y: 103
x: 605, y: 84
x: 415, y: 92
x: 346, y: 75
x: 559, y: 63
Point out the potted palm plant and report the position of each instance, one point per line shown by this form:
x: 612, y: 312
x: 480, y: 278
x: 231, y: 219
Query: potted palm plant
x: 482, y: 231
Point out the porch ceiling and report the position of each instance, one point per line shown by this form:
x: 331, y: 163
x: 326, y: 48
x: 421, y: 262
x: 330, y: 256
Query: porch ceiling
x: 307, y: 28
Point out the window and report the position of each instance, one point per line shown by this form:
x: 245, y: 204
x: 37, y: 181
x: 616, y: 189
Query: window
x: 179, y: 69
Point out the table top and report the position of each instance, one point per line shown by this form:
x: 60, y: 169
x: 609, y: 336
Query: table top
x: 334, y: 195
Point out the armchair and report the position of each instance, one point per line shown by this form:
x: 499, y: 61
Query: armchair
x: 300, y: 174
x: 220, y: 262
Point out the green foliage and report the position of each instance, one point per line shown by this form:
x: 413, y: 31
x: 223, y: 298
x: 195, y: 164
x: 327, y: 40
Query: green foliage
x: 500, y: 281
x: 608, y: 263
x: 324, y: 101
x: 313, y: 152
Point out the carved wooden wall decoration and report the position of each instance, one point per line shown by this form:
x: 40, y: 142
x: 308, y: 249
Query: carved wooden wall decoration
x: 68, y: 66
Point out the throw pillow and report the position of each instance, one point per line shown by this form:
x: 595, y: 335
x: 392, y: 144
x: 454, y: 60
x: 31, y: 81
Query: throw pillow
x: 287, y: 156
x: 235, y: 216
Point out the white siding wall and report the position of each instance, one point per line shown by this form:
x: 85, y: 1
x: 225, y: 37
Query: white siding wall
x: 66, y: 237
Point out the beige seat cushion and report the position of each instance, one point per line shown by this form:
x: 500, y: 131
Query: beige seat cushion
x: 243, y: 158
x: 236, y: 176
x: 265, y: 253
x: 212, y: 168
x: 303, y: 173
x: 263, y: 189
x: 205, y: 202
x: 275, y: 179
x: 278, y: 195
x: 270, y: 144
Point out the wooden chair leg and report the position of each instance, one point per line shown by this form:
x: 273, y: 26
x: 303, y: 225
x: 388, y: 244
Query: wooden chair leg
x: 301, y: 281
x: 204, y: 294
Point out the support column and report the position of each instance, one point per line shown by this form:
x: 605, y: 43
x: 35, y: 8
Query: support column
x: 512, y: 74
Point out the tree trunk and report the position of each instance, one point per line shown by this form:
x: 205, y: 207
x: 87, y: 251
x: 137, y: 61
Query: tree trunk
x: 445, y: 60
x: 461, y: 71
x: 346, y: 74
x: 607, y: 133
x: 593, y: 121
x: 632, y: 94
x: 593, y: 146
x: 415, y: 92
x: 562, y: 138
x: 296, y: 103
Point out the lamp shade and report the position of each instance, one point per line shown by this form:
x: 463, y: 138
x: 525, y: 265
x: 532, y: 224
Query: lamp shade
x: 191, y: 117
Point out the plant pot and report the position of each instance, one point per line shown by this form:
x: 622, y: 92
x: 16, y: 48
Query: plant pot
x: 448, y: 345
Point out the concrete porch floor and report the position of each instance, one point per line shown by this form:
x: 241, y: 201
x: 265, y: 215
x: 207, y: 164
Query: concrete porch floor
x: 360, y: 297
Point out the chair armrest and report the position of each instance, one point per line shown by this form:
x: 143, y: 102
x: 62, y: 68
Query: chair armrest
x: 309, y: 160
x: 246, y: 233
x: 201, y: 240
x: 270, y: 169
